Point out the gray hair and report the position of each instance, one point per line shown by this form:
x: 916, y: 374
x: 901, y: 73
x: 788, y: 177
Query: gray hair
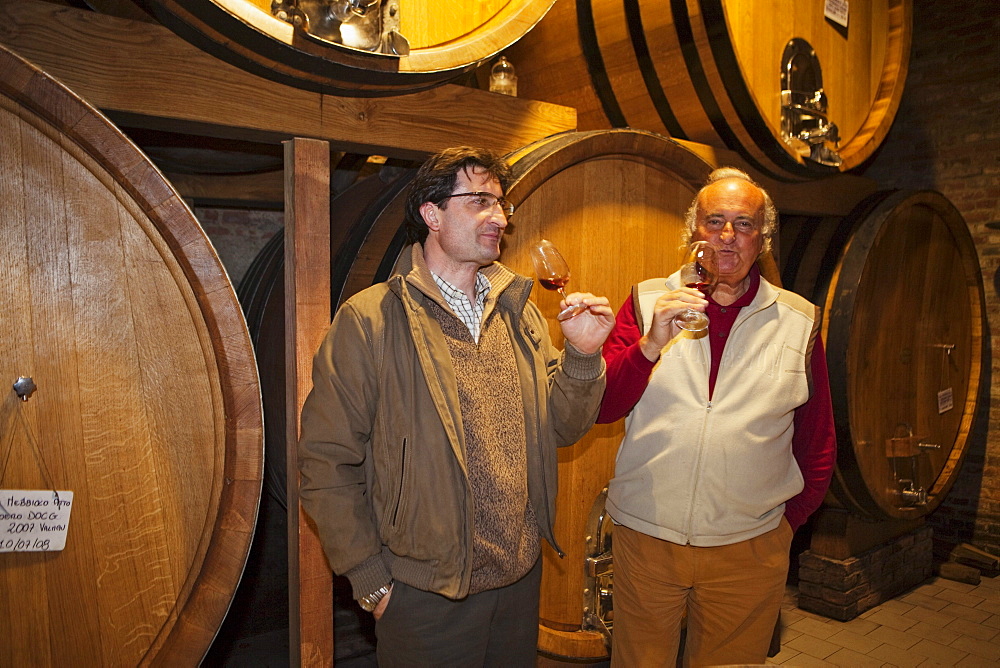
x: 770, y: 213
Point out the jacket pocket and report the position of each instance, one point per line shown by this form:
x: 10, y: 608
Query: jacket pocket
x: 399, y: 485
x: 532, y: 335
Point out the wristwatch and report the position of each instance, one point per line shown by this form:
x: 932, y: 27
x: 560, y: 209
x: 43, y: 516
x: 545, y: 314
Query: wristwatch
x: 369, y: 601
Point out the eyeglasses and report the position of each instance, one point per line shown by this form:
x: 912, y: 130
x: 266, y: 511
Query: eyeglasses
x: 485, y: 201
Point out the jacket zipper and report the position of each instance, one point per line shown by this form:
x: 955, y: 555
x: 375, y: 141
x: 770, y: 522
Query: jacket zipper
x: 701, y: 441
x: 697, y: 468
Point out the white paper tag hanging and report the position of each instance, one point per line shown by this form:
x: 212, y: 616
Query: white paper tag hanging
x: 837, y: 11
x: 34, y: 520
x: 946, y: 401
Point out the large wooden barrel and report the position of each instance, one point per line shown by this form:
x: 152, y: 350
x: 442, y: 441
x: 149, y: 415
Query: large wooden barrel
x: 446, y: 39
x: 147, y: 405
x: 710, y: 71
x: 904, y: 311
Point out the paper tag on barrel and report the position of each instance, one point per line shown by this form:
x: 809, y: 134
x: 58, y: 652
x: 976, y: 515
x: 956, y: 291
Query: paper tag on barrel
x: 34, y: 520
x: 946, y: 401
x: 837, y: 11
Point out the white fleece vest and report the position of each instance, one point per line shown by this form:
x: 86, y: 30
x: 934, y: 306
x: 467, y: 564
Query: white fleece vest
x: 706, y: 473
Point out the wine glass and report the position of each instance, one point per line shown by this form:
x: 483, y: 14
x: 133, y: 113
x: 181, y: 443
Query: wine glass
x: 699, y: 271
x: 553, y: 274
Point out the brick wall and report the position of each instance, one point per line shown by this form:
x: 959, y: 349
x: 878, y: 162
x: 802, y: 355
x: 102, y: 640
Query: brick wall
x: 238, y: 235
x: 946, y: 137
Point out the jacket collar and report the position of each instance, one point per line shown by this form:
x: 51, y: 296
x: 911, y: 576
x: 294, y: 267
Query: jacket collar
x: 509, y: 290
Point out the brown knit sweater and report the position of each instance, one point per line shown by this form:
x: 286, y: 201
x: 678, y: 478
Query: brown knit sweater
x: 505, y: 531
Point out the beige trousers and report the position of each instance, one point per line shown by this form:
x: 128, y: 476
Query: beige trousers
x: 731, y: 595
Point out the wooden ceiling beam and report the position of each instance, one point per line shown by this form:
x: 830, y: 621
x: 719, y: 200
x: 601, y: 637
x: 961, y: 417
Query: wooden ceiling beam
x: 143, y: 75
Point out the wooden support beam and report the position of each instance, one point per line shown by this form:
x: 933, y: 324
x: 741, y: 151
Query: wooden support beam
x: 144, y: 75
x: 264, y: 190
x: 307, y: 317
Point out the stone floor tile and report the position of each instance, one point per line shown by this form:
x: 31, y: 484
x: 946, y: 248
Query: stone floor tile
x: 860, y: 626
x: 993, y: 622
x: 814, y: 647
x: 935, y: 633
x: 973, y: 661
x: 788, y: 633
x: 977, y: 631
x: 897, y: 656
x: 981, y: 648
x: 965, y: 612
x: 986, y: 590
x: 990, y: 604
x: 813, y: 628
x: 992, y: 583
x: 806, y: 661
x: 853, y: 641
x: 931, y: 617
x: 944, y: 654
x: 966, y: 598
x: 899, y: 607
x: 785, y: 655
x: 814, y: 615
x: 924, y: 601
x: 954, y: 586
x: 928, y: 587
x: 895, y: 638
x: 851, y: 659
x: 893, y: 620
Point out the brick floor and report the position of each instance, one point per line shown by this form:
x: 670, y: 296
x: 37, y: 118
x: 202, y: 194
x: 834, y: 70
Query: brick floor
x: 938, y: 623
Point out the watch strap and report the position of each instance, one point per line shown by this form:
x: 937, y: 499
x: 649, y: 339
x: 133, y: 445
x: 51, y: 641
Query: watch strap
x: 368, y: 602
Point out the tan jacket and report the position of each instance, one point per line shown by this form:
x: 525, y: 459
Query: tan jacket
x: 382, y: 451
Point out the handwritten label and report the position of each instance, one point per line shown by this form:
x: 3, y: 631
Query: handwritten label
x: 946, y: 401
x: 836, y: 11
x: 34, y: 520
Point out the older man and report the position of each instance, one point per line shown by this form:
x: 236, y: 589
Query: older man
x: 729, y: 444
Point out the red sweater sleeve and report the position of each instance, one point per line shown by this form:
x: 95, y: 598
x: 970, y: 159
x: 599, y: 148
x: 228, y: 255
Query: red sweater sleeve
x: 814, y: 443
x: 627, y: 368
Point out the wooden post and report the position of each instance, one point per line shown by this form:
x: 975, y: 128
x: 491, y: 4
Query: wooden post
x: 307, y: 317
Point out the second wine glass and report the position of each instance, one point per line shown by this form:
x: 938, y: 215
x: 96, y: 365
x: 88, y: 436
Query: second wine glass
x: 553, y: 274
x: 699, y: 271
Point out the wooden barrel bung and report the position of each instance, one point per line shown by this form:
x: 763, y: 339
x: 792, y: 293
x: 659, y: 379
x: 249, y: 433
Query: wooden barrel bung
x: 147, y: 405
x: 329, y: 46
x: 904, y: 307
x: 710, y: 71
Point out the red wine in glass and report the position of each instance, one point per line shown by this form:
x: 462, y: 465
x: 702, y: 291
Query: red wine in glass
x: 699, y: 271
x: 553, y: 274
x: 554, y: 283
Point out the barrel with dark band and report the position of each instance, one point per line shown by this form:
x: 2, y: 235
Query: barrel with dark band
x: 904, y: 307
x: 710, y: 71
x: 147, y: 405
x: 445, y: 40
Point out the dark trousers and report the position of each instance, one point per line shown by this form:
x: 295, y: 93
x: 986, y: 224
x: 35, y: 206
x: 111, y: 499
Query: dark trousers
x: 498, y: 627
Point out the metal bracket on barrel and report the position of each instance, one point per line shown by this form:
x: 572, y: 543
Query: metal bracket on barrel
x: 805, y: 125
x: 365, y: 25
x: 904, y: 448
x: 24, y: 387
x: 599, y: 572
